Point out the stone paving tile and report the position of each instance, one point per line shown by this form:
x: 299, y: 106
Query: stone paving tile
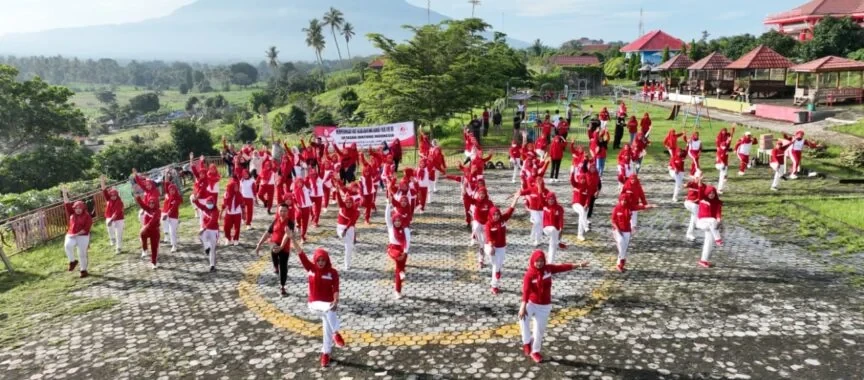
x: 768, y: 310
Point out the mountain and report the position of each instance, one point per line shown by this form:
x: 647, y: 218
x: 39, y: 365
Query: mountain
x: 226, y: 30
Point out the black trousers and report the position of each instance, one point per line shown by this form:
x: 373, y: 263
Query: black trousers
x: 347, y: 174
x: 556, y: 166
x: 396, y: 164
x: 619, y: 134
x: 280, y: 262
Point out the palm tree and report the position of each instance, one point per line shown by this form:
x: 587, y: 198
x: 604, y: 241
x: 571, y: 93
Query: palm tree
x: 348, y: 32
x: 474, y: 4
x: 272, y: 58
x: 315, y: 40
x: 334, y: 18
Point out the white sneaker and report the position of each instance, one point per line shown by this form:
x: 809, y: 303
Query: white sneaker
x: 580, y: 238
x: 720, y: 192
x: 236, y: 243
x: 117, y: 251
x: 536, y: 243
x: 173, y: 249
x: 154, y: 266
x: 402, y: 275
x: 793, y: 176
x: 773, y: 188
x: 143, y: 254
x: 397, y: 295
x: 674, y: 200
x: 691, y: 237
x: 740, y: 173
x: 472, y: 242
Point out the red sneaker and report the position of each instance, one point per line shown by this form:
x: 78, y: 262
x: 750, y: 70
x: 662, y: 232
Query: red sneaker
x: 526, y: 348
x: 498, y: 275
x: 84, y: 274
x: 621, y: 265
x: 325, y: 360
x: 537, y: 357
x: 705, y: 264
x: 495, y: 290
x: 72, y: 265
x: 718, y: 242
x: 337, y: 338
x: 562, y: 246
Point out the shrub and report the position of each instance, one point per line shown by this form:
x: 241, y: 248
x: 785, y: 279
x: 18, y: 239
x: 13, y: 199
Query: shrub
x: 853, y: 156
x: 45, y: 167
x: 243, y: 132
x: 188, y: 137
x: 117, y: 160
x: 322, y: 117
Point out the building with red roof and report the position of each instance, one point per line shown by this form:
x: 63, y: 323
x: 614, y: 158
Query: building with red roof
x: 761, y: 71
x: 377, y: 64
x: 579, y: 60
x: 799, y: 22
x: 650, y: 47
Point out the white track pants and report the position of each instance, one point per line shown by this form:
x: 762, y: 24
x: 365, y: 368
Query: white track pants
x: 517, y: 167
x: 583, y: 219
x: 692, y: 207
x: 622, y: 242
x: 536, y: 218
x: 115, y: 232
x: 479, y: 234
x: 679, y: 180
x: 554, y: 235
x: 347, y: 235
x: 723, y: 170
x: 779, y: 171
x: 540, y: 315
x: 82, y: 243
x: 709, y: 225
x: 210, y: 239
x: 329, y: 320
x: 496, y: 256
x: 171, y: 230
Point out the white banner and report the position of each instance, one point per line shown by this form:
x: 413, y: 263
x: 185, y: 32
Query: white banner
x: 369, y: 136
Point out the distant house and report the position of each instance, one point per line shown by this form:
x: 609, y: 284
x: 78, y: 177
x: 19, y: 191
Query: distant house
x: 596, y: 48
x: 799, y: 22
x: 574, y: 61
x: 649, y: 47
x: 377, y: 64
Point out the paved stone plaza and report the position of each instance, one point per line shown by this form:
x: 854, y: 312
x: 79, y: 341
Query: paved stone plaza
x: 768, y: 310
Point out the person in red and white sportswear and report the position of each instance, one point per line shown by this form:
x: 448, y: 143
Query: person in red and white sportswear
x: 346, y: 221
x: 171, y: 212
x: 625, y: 169
x: 778, y: 162
x: 316, y: 193
x: 480, y: 209
x: 303, y: 202
x: 401, y: 199
x: 581, y: 199
x: 633, y: 189
x: 742, y: 149
x: 796, y: 147
x: 695, y: 189
x: 676, y: 169
x: 232, y: 211
x: 114, y: 211
x: 150, y: 228
x: 209, y: 232
x: 425, y: 175
x: 534, y: 202
x: 396, y: 249
x: 77, y: 233
x: 710, y: 214
x: 622, y: 228
x: 150, y: 190
x: 367, y: 191
x: 724, y: 141
x: 323, y: 297
x: 553, y: 225
x: 279, y: 235
x: 247, y: 193
x: 515, y: 154
x: 267, y: 185
x: 694, y: 149
x: 537, y: 301
x: 496, y: 240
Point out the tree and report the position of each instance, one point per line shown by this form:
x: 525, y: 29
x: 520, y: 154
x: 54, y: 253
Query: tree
x: 106, y: 97
x: 466, y: 71
x: 571, y: 45
x: 244, y: 133
x: 243, y: 74
x: 322, y: 117
x: 198, y: 76
x: 272, y: 58
x: 32, y: 111
x: 183, y: 89
x: 334, y: 19
x: 348, y: 33
x: 360, y: 68
x: 259, y: 98
x: 857, y: 55
x: 145, y: 103
x: 217, y: 101
x: 204, y: 86
x: 614, y: 68
x: 833, y: 36
x: 781, y: 43
x: 315, y: 40
x: 187, y: 137
x: 633, y: 67
x: 537, y: 48
x: 46, y: 166
x: 190, y: 79
x: 684, y: 50
x: 117, y: 160
x: 665, y: 57
x: 293, y: 122
x: 348, y: 102
x: 191, y: 103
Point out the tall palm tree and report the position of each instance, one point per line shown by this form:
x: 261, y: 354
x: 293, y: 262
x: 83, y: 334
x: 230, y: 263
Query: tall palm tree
x: 334, y: 19
x: 315, y: 40
x: 272, y: 58
x: 348, y: 32
x: 474, y: 4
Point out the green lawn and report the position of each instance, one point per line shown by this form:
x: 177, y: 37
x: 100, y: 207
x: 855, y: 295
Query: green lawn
x: 170, y: 99
x: 856, y: 129
x: 849, y: 211
x: 151, y: 133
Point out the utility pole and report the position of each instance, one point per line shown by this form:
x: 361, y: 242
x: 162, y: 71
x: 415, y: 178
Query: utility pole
x: 641, y: 24
x: 428, y: 11
x: 474, y: 4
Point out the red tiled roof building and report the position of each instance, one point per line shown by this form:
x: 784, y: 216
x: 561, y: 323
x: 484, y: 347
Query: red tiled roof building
x: 799, y: 22
x: 580, y: 60
x: 650, y: 47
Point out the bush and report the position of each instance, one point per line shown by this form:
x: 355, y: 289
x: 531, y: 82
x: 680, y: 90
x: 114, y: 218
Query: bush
x: 184, y: 89
x: 853, y: 156
x: 145, y: 103
x: 117, y: 160
x: 44, y: 167
x: 820, y: 151
x: 244, y: 133
x: 14, y: 204
x: 188, y: 137
x: 260, y: 98
x: 322, y: 117
x: 294, y: 121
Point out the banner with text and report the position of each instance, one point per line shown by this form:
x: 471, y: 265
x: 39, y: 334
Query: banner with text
x: 369, y: 136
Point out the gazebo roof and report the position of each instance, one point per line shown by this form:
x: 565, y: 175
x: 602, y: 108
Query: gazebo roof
x: 829, y: 64
x: 762, y: 57
x: 714, y: 61
x: 653, y: 41
x: 819, y: 8
x: 679, y: 61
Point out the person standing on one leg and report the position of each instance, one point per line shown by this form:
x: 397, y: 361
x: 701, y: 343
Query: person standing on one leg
x: 710, y: 215
x: 695, y: 189
x: 77, y: 233
x: 209, y: 232
x: 496, y: 240
x: 279, y: 234
x: 581, y: 198
x: 346, y: 221
x: 742, y: 149
x: 724, y: 140
x: 323, y: 297
x: 694, y: 149
x: 797, y: 144
x: 553, y: 225
x: 171, y: 212
x: 232, y: 212
x: 150, y: 229
x: 676, y: 170
x: 537, y: 301
x: 778, y: 162
x: 248, y: 197
x: 303, y: 201
x: 114, y: 211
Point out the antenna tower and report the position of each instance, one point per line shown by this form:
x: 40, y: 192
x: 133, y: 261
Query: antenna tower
x: 641, y: 24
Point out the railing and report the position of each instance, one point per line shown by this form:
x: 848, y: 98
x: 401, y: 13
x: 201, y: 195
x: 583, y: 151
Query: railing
x: 33, y: 228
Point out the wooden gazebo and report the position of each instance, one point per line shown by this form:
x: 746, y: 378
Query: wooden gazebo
x: 828, y: 79
x: 762, y: 71
x: 678, y: 62
x: 709, y: 75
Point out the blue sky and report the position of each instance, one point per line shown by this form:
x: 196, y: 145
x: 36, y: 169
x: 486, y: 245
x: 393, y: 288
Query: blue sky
x: 553, y: 21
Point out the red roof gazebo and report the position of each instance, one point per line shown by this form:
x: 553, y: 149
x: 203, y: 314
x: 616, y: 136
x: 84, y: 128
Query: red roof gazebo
x: 709, y: 74
x: 828, y: 79
x: 678, y: 62
x: 762, y: 71
x: 799, y: 22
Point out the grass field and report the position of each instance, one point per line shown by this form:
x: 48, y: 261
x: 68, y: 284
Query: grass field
x: 856, y: 129
x: 41, y: 289
x: 849, y: 211
x: 170, y: 100
x: 151, y: 133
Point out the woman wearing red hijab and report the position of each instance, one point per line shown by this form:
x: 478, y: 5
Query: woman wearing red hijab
x: 694, y: 149
x: 710, y: 215
x: 150, y: 228
x: 625, y: 158
x: 553, y: 225
x: 346, y: 221
x: 323, y: 297
x: 209, y: 232
x: 537, y: 301
x: 644, y: 125
x: 267, y: 185
x: 232, y: 211
x: 302, y: 197
x: 724, y: 140
x: 171, y: 211
x: 280, y: 233
x: 632, y: 128
x: 633, y: 190
x: 114, y: 211
x: 496, y: 239
x: 397, y: 244
x: 77, y: 232
x: 581, y: 198
x: 604, y: 118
